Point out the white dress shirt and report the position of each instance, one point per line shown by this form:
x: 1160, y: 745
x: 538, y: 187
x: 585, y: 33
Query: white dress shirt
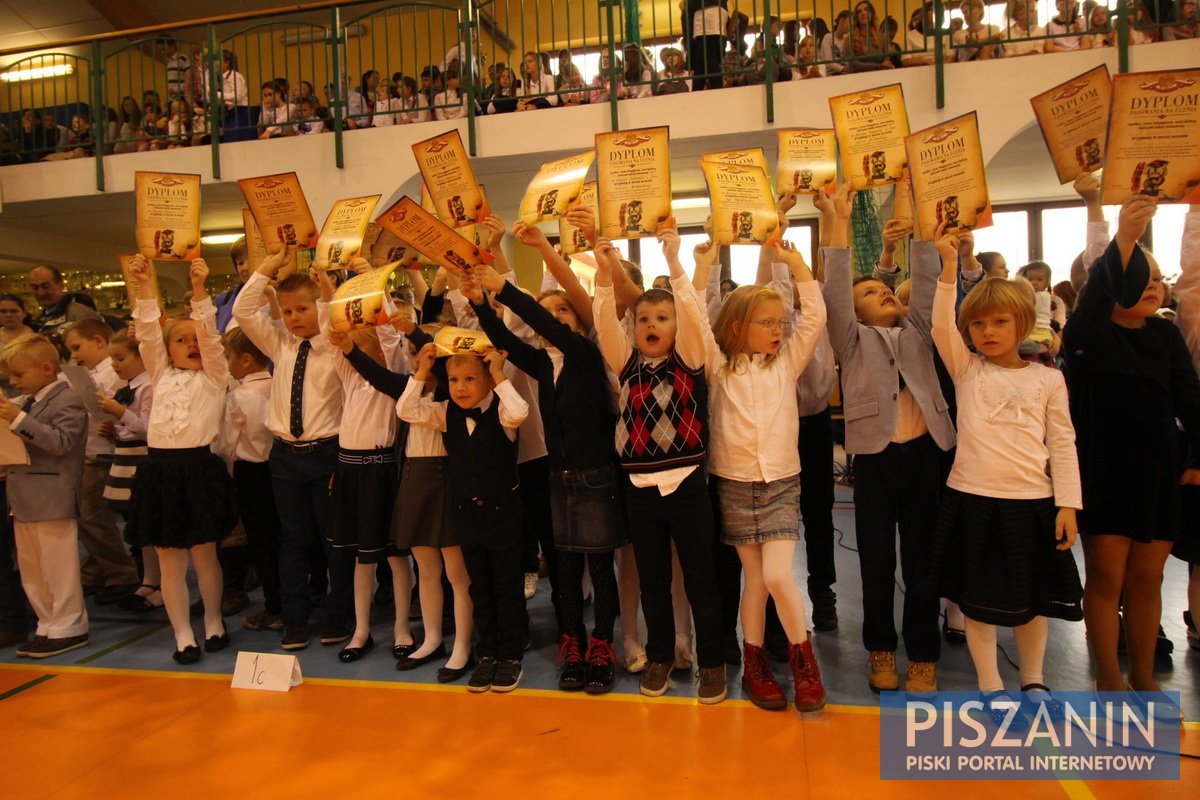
x: 107, y: 382
x: 322, y: 387
x: 135, y: 422
x: 245, y: 436
x: 415, y: 409
x: 189, y: 404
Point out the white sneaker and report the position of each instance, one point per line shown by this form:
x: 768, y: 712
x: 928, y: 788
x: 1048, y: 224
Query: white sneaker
x: 531, y: 579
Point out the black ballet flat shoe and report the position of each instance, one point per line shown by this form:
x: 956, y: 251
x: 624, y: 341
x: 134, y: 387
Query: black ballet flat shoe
x: 215, y: 644
x: 351, y: 654
x: 402, y: 651
x: 952, y: 635
x: 450, y: 674
x: 188, y: 655
x: 407, y: 663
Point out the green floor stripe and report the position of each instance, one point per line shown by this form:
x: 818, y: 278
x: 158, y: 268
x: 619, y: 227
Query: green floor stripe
x: 24, y: 686
x: 124, y: 643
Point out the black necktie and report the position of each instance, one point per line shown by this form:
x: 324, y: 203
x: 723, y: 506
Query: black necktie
x: 124, y: 396
x: 27, y: 406
x: 297, y: 421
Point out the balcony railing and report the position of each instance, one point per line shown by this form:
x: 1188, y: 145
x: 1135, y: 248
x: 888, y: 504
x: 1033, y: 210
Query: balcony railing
x: 336, y: 67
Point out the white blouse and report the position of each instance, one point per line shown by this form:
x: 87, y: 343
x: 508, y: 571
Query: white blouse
x: 1015, y: 437
x: 188, y: 403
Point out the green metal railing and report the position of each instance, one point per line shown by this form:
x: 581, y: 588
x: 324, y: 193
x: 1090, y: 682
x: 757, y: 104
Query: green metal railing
x: 340, y: 67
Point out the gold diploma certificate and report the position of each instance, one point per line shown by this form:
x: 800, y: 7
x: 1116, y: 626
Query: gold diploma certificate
x: 387, y: 248
x: 807, y: 162
x: 342, y: 234
x: 743, y: 204
x: 555, y: 188
x: 750, y: 157
x: 948, y: 182
x: 871, y: 127
x: 281, y: 211
x: 256, y: 248
x: 436, y: 240
x: 902, y: 203
x: 1154, y: 137
x: 451, y: 341
x: 1073, y: 117
x: 633, y: 174
x: 168, y: 215
x: 362, y: 301
x: 456, y: 195
x: 570, y: 238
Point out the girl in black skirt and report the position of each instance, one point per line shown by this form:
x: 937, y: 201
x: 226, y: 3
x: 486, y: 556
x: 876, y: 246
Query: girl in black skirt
x: 1001, y: 546
x: 183, y: 499
x: 364, y: 491
x: 1131, y: 378
x: 130, y: 406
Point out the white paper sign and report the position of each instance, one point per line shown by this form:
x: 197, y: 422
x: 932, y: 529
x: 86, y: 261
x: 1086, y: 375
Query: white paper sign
x: 271, y: 672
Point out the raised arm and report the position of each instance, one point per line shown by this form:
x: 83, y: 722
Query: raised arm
x: 946, y: 338
x: 414, y: 408
x: 558, y: 266
x: 150, y: 344
x: 265, y: 335
x: 798, y: 349
x: 924, y: 268
x: 614, y: 345
x: 839, y: 278
x: 208, y: 338
x: 1088, y: 189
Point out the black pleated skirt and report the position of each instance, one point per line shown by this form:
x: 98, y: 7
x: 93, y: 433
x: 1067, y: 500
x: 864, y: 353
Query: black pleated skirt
x: 181, y: 498
x: 422, y: 513
x: 998, y: 559
x: 364, y: 492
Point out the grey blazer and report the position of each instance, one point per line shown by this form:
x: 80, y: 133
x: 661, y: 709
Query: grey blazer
x: 873, y: 359
x: 55, y: 434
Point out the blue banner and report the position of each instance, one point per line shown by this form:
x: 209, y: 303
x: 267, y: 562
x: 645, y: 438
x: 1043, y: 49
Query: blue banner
x: 1092, y: 736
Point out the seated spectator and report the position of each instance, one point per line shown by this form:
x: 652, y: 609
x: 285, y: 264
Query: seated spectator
x: 734, y: 63
x: 371, y: 95
x: 603, y: 81
x: 674, y: 78
x: 790, y: 49
x: 58, y: 137
x: 450, y: 104
x: 890, y: 29
x: 154, y: 126
x: 919, y: 40
x: 1141, y: 29
x: 432, y: 83
x: 131, y: 126
x: 501, y: 96
x: 33, y: 140
x: 309, y: 122
x: 536, y: 89
x: 274, y: 114
x: 152, y: 96
x: 304, y: 89
x: 865, y: 48
x: 831, y: 46
x: 79, y: 143
x: 1185, y: 22
x: 1099, y: 29
x: 177, y: 125
x: 639, y: 75
x: 976, y: 40
x: 565, y: 64
x: 1022, y: 23
x: 804, y: 67
x: 1067, y: 22
x: 572, y: 91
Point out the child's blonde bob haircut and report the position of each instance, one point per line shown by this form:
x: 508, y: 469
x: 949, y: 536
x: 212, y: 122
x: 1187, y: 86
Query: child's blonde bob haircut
x: 31, y: 349
x: 999, y: 295
x: 741, y: 304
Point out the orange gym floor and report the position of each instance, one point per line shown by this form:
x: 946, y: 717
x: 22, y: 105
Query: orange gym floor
x: 84, y: 732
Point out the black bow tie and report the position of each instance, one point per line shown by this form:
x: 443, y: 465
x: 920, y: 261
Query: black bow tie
x: 124, y: 395
x: 473, y: 413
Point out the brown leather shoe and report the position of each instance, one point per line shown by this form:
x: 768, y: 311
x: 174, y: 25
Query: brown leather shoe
x: 710, y: 685
x: 883, y: 677
x: 655, y: 678
x: 921, y: 677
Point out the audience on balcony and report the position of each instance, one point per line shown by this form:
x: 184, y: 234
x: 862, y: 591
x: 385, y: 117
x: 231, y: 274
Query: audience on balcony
x: 716, y: 55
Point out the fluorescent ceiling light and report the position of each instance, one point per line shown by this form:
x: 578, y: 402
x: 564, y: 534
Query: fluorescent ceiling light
x: 220, y: 238
x: 683, y: 203
x: 110, y: 285
x: 37, y: 73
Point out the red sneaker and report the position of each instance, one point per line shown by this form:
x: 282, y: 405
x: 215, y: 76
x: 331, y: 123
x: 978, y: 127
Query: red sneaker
x: 810, y: 692
x: 758, y: 682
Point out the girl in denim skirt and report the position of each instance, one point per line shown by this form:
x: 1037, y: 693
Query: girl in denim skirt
x: 753, y: 359
x: 585, y: 499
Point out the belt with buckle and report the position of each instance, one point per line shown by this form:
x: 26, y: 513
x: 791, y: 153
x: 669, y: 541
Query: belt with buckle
x: 309, y: 446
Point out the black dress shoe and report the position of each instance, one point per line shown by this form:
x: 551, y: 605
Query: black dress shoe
x: 215, y: 644
x: 350, y: 654
x: 407, y: 663
x: 402, y: 651
x: 188, y: 655
x: 952, y: 635
x: 451, y: 674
